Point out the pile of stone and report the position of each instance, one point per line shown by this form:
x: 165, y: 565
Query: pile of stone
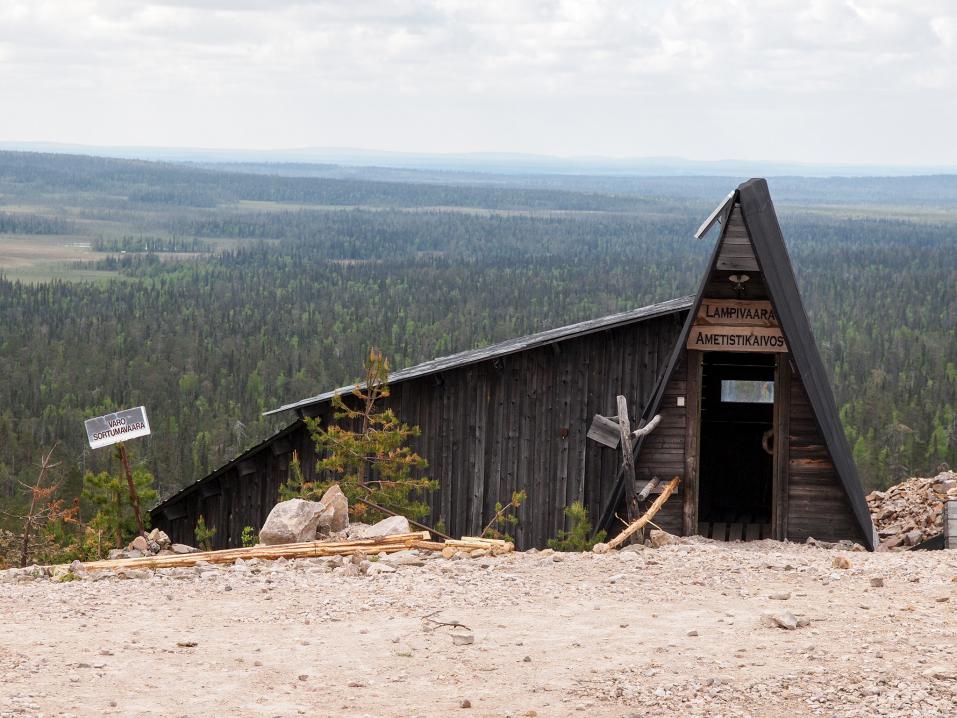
x: 155, y: 543
x: 911, y: 512
x: 298, y: 520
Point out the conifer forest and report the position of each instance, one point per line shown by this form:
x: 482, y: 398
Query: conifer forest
x: 211, y: 294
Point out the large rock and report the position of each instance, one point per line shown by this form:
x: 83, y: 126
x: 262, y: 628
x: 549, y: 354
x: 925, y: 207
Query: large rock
x: 291, y: 521
x: 139, y: 544
x: 160, y: 538
x: 659, y: 538
x: 335, y: 517
x: 388, y: 527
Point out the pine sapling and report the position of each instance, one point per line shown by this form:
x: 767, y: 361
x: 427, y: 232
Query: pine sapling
x: 504, y: 519
x: 579, y: 535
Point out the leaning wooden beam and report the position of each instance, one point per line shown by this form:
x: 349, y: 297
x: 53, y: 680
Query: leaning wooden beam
x: 640, y: 523
x: 647, y: 428
x: 649, y: 487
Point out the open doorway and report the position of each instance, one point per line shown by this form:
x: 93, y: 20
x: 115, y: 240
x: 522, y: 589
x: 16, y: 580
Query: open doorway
x: 736, y: 465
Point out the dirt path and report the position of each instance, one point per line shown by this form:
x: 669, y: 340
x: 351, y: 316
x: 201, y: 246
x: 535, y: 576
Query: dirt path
x: 676, y: 631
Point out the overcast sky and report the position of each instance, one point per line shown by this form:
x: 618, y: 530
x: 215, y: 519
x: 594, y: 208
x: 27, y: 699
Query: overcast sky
x: 868, y: 81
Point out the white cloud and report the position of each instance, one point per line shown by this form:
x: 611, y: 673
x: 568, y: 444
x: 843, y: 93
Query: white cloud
x: 803, y: 79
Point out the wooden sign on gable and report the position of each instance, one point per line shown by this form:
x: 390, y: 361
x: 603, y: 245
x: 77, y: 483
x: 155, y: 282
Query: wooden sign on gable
x: 736, y: 325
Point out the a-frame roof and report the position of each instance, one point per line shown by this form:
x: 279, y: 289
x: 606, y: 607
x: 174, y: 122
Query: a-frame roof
x: 753, y: 200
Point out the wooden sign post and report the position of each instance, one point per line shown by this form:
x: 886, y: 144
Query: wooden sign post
x: 113, y: 429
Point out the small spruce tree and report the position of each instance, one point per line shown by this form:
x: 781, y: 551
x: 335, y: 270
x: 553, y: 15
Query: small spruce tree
x: 204, y: 534
x: 110, y: 497
x: 505, y: 518
x: 366, y: 453
x: 578, y: 537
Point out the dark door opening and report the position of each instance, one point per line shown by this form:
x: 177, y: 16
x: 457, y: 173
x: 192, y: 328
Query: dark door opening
x: 736, y: 465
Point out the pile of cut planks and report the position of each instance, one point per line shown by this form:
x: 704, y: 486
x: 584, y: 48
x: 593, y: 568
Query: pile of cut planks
x: 309, y: 549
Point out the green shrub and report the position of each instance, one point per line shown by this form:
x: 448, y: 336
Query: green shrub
x: 578, y: 537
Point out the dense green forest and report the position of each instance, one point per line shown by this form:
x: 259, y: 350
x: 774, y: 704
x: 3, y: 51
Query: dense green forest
x: 309, y: 272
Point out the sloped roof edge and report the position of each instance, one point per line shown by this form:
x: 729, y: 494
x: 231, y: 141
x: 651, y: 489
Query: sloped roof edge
x: 762, y: 223
x: 511, y: 346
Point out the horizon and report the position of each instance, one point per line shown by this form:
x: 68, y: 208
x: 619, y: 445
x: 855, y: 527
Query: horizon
x: 480, y: 162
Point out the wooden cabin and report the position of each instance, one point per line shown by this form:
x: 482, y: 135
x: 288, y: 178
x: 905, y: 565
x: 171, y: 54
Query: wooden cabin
x: 747, y: 417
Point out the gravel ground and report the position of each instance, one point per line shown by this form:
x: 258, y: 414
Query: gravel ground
x: 677, y: 631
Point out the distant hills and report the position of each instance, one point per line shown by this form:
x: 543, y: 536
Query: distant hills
x: 487, y: 162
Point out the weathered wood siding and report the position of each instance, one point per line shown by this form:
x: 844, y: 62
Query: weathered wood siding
x: 514, y: 423
x: 663, y: 451
x: 817, y: 503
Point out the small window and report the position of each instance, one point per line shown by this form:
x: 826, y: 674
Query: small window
x: 747, y: 391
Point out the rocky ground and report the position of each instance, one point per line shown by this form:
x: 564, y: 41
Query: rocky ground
x: 692, y: 629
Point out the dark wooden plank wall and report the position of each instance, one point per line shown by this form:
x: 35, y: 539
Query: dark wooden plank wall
x: 663, y: 451
x: 515, y: 423
x: 817, y: 503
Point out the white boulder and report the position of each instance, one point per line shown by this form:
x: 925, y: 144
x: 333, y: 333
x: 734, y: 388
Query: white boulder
x: 388, y: 527
x: 335, y: 517
x: 291, y: 521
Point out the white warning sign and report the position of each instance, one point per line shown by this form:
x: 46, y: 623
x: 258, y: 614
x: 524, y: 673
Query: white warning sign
x: 114, y: 428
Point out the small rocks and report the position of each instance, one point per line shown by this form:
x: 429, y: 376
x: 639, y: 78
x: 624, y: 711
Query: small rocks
x: 780, y: 596
x: 379, y: 568
x: 658, y: 538
x: 134, y: 573
x: 465, y: 703
x: 842, y: 562
x: 692, y: 633
x: 911, y: 512
x: 780, y: 619
x: 403, y: 558
x: 877, y: 582
x: 160, y: 538
x: 941, y: 673
x: 462, y: 637
x: 181, y: 548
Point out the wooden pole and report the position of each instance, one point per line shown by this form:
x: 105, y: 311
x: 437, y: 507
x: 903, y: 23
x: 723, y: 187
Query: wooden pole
x: 649, y: 487
x: 134, y: 497
x: 645, y: 519
x: 628, y: 455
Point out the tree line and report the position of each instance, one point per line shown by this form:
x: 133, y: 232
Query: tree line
x: 209, y: 343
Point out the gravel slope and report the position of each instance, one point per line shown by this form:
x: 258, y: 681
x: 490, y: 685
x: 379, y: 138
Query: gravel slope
x: 676, y: 631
